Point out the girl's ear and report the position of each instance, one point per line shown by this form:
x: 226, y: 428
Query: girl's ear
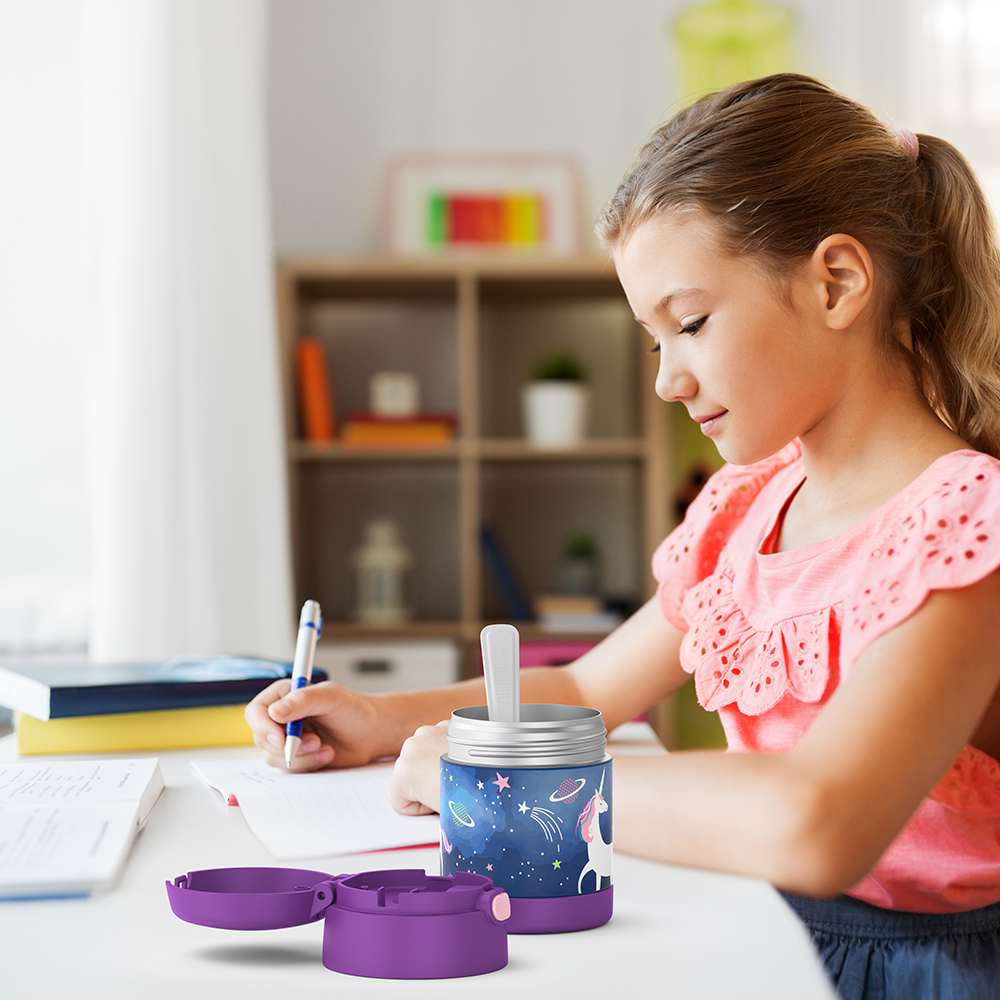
x: 842, y: 274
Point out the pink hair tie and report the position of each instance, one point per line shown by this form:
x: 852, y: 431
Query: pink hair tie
x: 910, y: 142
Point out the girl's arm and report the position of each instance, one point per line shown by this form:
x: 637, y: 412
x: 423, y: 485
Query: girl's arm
x: 623, y: 675
x: 815, y: 820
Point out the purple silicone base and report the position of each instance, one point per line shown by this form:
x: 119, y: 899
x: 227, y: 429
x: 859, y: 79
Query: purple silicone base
x: 556, y: 914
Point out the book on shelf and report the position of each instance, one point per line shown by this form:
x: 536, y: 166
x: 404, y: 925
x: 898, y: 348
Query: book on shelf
x: 51, y: 687
x: 135, y: 732
x: 66, y: 827
x: 315, y: 394
x: 584, y: 613
x: 503, y: 575
x: 422, y: 430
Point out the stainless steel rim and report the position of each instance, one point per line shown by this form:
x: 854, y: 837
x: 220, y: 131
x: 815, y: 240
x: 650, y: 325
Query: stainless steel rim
x: 546, y: 736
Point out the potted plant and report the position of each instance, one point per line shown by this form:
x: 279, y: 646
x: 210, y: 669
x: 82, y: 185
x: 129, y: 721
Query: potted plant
x: 556, y: 402
x: 578, y: 564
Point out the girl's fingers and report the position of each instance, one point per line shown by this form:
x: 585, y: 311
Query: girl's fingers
x: 256, y: 713
x: 414, y: 786
x: 321, y: 756
x: 316, y: 699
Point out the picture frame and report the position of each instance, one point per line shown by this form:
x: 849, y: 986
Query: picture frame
x: 474, y: 202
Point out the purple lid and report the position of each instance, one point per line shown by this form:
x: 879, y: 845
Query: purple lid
x: 392, y: 924
x: 246, y: 899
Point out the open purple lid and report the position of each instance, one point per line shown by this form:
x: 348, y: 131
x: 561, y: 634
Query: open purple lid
x: 246, y: 899
x: 395, y: 924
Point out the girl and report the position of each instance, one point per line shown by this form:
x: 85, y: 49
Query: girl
x: 824, y: 296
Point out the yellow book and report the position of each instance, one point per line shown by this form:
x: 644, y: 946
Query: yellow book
x: 126, y: 732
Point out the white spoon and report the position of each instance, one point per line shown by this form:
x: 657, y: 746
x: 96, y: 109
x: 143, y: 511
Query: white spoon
x: 501, y: 664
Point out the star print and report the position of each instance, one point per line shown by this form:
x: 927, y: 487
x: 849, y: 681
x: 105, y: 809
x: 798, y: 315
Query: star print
x: 501, y: 782
x: 480, y: 785
x: 489, y: 868
x: 557, y: 864
x: 450, y: 778
x: 523, y: 807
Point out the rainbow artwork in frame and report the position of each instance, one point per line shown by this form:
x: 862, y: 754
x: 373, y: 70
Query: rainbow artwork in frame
x: 440, y: 204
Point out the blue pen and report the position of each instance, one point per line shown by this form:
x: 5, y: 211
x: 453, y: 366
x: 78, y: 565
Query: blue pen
x: 310, y: 627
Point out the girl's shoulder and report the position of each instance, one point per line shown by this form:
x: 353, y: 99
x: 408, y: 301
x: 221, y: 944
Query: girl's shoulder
x: 941, y: 533
x: 690, y: 552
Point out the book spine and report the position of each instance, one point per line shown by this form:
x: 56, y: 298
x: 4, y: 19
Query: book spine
x: 127, y: 732
x: 503, y: 574
x: 315, y: 395
x: 122, y: 699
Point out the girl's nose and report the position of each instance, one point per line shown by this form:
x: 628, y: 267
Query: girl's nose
x: 673, y: 381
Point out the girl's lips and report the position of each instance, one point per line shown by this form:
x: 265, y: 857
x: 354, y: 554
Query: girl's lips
x: 708, y: 424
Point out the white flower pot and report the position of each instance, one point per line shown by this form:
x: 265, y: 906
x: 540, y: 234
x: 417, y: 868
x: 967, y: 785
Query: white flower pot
x: 555, y: 412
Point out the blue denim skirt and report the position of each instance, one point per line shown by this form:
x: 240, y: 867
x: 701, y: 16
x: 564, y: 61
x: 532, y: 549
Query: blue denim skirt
x: 876, y: 954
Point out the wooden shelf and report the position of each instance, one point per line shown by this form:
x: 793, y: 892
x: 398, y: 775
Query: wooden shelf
x: 336, y: 451
x: 467, y: 631
x: 596, y: 449
x: 494, y: 449
x: 470, y: 327
x: 339, y: 630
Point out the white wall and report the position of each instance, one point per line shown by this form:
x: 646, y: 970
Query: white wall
x: 354, y: 84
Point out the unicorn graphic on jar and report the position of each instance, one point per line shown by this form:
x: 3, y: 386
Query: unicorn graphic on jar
x: 589, y: 828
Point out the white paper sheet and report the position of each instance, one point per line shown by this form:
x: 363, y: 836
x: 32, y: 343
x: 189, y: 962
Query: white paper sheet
x: 76, y: 780
x: 322, y: 814
x: 63, y: 850
x: 66, y: 826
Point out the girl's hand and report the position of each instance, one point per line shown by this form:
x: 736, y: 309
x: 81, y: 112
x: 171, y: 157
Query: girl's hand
x: 341, y: 726
x: 415, y: 778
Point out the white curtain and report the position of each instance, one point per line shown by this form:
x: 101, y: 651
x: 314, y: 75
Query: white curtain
x: 189, y: 530
x: 955, y: 76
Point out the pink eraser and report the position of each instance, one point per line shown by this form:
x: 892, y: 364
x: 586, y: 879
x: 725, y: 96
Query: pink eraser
x: 232, y: 801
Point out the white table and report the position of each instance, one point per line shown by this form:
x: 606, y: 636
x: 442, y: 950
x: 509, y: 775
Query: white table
x: 678, y: 932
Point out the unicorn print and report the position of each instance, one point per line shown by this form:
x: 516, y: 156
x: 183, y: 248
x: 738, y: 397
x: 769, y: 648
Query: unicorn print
x: 589, y: 828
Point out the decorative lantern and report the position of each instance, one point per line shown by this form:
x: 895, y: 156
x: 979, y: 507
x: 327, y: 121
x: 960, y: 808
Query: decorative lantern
x: 380, y: 564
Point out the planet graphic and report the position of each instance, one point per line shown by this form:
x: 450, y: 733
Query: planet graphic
x: 461, y: 814
x: 568, y: 790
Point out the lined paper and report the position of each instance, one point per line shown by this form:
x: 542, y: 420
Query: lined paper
x: 66, y: 826
x: 321, y: 814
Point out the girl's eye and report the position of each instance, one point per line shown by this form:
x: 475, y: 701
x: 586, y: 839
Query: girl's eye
x: 694, y: 327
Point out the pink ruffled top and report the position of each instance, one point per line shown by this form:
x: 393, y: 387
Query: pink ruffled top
x: 769, y: 635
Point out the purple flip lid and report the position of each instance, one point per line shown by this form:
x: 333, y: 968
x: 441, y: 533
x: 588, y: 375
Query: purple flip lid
x: 246, y: 899
x: 392, y: 924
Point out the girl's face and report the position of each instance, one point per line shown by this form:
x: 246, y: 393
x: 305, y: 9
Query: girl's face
x: 753, y: 369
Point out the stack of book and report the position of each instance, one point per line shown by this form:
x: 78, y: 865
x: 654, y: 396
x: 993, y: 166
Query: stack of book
x: 63, y: 705
x: 575, y: 613
x: 423, y: 430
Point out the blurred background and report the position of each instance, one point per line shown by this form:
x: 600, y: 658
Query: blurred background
x: 161, y: 155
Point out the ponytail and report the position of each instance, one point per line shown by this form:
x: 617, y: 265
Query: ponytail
x: 955, y: 298
x: 784, y: 161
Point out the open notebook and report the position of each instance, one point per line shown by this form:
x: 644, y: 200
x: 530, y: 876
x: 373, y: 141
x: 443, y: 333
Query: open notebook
x: 321, y: 814
x: 66, y: 827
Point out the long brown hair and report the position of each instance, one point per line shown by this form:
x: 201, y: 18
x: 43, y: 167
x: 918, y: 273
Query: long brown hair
x: 784, y: 161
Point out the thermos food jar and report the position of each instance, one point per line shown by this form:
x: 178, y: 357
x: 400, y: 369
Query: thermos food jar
x: 528, y: 804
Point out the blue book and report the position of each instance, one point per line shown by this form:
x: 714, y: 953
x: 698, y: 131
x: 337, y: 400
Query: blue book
x: 503, y: 574
x: 59, y: 687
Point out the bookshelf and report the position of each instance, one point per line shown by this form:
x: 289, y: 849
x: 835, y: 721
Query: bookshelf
x: 471, y: 329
